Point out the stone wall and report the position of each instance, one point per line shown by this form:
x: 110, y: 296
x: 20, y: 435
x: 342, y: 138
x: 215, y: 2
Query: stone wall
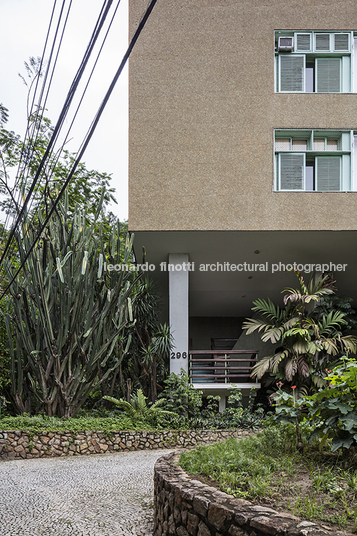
x: 18, y: 444
x: 186, y: 507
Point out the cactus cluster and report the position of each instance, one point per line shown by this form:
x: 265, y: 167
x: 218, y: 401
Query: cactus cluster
x: 67, y: 315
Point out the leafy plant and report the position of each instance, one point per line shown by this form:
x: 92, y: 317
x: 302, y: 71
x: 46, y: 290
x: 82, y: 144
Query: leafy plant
x: 333, y: 302
x: 236, y: 416
x: 181, y: 397
x: 195, y: 412
x: 306, y: 341
x: 289, y: 408
x: 151, y: 342
x: 138, y: 410
x: 333, y: 410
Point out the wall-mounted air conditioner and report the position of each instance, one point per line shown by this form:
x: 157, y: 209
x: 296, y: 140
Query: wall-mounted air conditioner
x: 285, y: 44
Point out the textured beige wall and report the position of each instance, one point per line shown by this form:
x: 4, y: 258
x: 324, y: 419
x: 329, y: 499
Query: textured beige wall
x: 203, y: 110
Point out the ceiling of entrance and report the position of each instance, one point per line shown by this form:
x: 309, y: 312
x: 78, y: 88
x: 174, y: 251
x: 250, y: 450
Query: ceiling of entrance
x: 218, y: 291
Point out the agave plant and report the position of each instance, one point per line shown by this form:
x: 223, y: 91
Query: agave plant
x: 304, y: 342
x: 138, y: 409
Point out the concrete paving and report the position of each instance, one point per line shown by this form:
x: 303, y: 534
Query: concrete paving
x: 99, y: 495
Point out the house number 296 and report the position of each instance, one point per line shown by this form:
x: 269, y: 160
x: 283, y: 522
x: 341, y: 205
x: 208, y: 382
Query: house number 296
x: 178, y: 355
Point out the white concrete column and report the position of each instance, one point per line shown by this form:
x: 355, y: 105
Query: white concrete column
x: 178, y: 268
x: 222, y: 402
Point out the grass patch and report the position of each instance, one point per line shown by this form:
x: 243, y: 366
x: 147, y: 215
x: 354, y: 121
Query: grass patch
x: 267, y: 469
x: 42, y: 423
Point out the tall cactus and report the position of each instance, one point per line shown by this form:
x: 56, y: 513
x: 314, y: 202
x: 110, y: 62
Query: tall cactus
x: 68, y: 314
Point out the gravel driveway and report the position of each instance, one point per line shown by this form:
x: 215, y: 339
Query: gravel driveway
x: 100, y: 495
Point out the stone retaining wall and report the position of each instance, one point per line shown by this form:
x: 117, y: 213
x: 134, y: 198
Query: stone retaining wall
x: 17, y: 444
x: 186, y: 507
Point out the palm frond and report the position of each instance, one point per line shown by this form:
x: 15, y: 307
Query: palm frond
x: 290, y: 369
x: 300, y: 346
x: 303, y: 368
x: 298, y: 331
x: 317, y: 381
x: 331, y: 322
x: 291, y: 322
x: 261, y: 367
x: 277, y: 359
x: 123, y: 404
x: 272, y: 334
x: 268, y: 309
x: 253, y: 324
x: 349, y: 343
x: 141, y: 399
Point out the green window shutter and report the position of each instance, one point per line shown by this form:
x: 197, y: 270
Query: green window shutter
x: 328, y: 173
x: 322, y: 42
x: 328, y: 75
x: 341, y: 42
x: 303, y: 42
x: 292, y: 171
x: 292, y: 73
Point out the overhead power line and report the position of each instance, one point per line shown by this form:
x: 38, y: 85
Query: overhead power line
x: 31, y: 108
x: 60, y: 121
x: 83, y: 93
x: 88, y: 137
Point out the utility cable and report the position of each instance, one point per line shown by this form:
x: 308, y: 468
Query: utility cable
x: 32, y: 130
x: 32, y: 105
x: 95, y: 34
x: 85, y: 90
x: 59, y: 123
x: 41, y: 105
x: 87, y: 139
x: 32, y: 135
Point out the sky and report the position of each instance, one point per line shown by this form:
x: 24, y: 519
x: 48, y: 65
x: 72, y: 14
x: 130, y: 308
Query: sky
x: 24, y: 25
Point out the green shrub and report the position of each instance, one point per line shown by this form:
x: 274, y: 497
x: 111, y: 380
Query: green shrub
x: 333, y: 410
x: 181, y: 398
x: 197, y: 413
x: 41, y: 423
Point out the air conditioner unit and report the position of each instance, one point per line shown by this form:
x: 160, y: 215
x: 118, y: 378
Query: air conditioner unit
x: 286, y: 44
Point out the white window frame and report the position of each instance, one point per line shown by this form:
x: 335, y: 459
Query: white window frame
x: 304, y: 74
x: 316, y: 75
x: 295, y: 153
x: 350, y: 41
x: 346, y: 152
x: 315, y: 35
x: 348, y: 59
x: 295, y: 42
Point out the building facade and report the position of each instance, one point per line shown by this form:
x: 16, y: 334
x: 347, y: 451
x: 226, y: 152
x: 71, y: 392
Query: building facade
x: 242, y: 157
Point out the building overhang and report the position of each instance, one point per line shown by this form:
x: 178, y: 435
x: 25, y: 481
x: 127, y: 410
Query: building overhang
x: 259, y: 257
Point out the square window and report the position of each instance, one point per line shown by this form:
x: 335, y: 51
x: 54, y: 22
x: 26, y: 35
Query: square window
x: 315, y: 160
x: 316, y: 62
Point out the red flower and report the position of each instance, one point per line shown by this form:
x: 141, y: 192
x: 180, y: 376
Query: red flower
x: 293, y: 386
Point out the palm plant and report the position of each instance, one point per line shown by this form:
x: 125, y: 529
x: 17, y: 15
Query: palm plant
x: 305, y: 341
x: 138, y: 409
x: 151, y: 342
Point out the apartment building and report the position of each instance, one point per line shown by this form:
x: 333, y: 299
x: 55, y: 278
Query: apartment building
x: 243, y: 161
